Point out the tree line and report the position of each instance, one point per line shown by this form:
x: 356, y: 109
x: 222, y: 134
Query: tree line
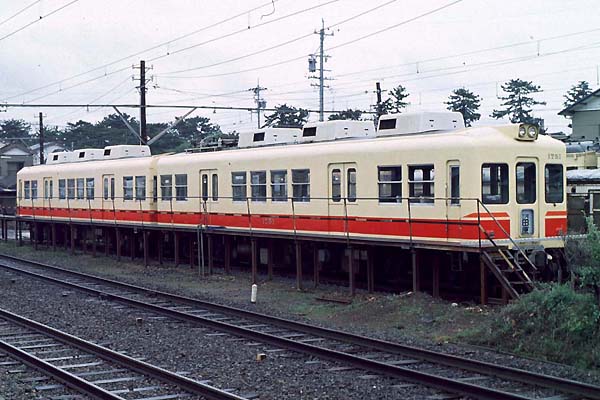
x: 517, y: 105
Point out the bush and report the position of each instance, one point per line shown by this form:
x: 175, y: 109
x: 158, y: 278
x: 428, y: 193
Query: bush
x: 583, y: 257
x: 553, y: 322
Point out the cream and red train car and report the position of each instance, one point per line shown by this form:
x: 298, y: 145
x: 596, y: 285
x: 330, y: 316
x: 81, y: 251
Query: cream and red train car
x: 421, y: 177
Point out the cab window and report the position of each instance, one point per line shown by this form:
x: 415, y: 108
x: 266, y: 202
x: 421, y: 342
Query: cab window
x: 553, y: 175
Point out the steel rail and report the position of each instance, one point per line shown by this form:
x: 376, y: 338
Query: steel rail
x: 481, y: 367
x: 141, y: 367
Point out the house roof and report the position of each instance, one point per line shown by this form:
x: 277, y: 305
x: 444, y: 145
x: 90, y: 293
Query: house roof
x: 572, y: 108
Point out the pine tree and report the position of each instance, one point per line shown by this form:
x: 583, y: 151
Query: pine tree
x: 346, y: 114
x: 517, y: 105
x: 396, y: 101
x: 577, y: 92
x: 286, y: 116
x: 465, y: 102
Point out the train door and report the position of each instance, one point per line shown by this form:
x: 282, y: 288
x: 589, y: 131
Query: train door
x: 526, y: 222
x: 453, y: 199
x: 47, y: 193
x: 209, y: 191
x: 108, y: 196
x: 342, y: 194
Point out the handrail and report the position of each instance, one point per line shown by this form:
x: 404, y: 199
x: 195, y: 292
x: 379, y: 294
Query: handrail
x: 507, y: 235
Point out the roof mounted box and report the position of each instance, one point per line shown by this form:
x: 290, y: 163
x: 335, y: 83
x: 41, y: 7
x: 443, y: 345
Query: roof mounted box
x: 60, y: 157
x: 410, y: 123
x: 268, y: 136
x: 88, y: 154
x: 125, y: 151
x: 338, y: 129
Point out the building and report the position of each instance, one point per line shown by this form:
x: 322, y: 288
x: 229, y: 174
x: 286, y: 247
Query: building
x: 49, y: 148
x: 13, y: 157
x: 585, y: 117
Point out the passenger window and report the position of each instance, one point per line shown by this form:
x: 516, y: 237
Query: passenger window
x: 301, y: 184
x: 351, y: 185
x: 215, y: 187
x: 80, y: 188
x: 238, y: 186
x: 166, y: 187
x: 140, y: 187
x: 526, y: 183
x: 51, y: 189
x: 128, y: 188
x: 454, y: 185
x: 389, y: 180
x: 89, y: 187
x: 34, y: 192
x: 112, y: 188
x: 20, y: 189
x: 45, y: 189
x: 105, y: 188
x: 553, y: 174
x: 204, y: 187
x: 27, y: 189
x: 71, y: 188
x: 421, y: 183
x: 279, y: 185
x: 494, y: 183
x: 61, y: 189
x: 258, y: 185
x: 336, y: 185
x: 154, y: 189
x: 181, y: 187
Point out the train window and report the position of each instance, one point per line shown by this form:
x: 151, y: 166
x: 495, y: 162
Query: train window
x: 166, y: 187
x: 352, y: 184
x: 80, y: 188
x: 46, y: 188
x: 204, y: 187
x: 258, y: 185
x: 238, y: 186
x: 62, y: 189
x: 421, y: 183
x: 20, y: 194
x: 128, y: 188
x: 336, y: 185
x: 34, y: 188
x: 279, y: 185
x: 71, y: 188
x: 105, y: 188
x: 454, y: 184
x: 553, y: 174
x: 215, y: 187
x: 27, y: 189
x: 494, y: 183
x: 390, y: 184
x: 526, y: 183
x: 51, y: 189
x: 181, y: 187
x: 140, y: 188
x: 90, y: 188
x: 301, y: 184
x: 387, y: 124
x: 154, y: 189
x: 112, y: 188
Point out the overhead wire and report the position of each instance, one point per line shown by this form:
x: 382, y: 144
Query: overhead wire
x: 22, y: 10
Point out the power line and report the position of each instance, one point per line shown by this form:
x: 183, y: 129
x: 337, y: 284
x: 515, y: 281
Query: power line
x: 141, y: 52
x: 19, y: 12
x: 38, y: 20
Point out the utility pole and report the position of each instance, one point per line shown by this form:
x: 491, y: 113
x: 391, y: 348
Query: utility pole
x: 378, y: 106
x: 142, y: 88
x: 260, y: 103
x: 41, y: 118
x: 311, y: 67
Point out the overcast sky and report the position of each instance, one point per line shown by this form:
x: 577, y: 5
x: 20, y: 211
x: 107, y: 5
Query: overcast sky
x: 554, y: 43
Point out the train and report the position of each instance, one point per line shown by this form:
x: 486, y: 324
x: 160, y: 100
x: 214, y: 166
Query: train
x: 418, y: 177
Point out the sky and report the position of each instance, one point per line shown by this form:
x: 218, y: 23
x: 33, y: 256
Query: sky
x: 210, y: 53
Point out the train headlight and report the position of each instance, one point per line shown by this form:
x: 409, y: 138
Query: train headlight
x: 527, y: 132
x: 522, y: 131
x: 532, y: 132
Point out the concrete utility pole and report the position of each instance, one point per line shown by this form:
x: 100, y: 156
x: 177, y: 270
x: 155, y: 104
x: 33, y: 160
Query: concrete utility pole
x: 378, y: 109
x: 322, y: 70
x: 142, y: 88
x: 260, y: 103
x: 41, y: 117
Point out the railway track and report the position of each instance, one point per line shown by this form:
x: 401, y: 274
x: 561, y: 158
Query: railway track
x: 90, y: 369
x: 448, y: 373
